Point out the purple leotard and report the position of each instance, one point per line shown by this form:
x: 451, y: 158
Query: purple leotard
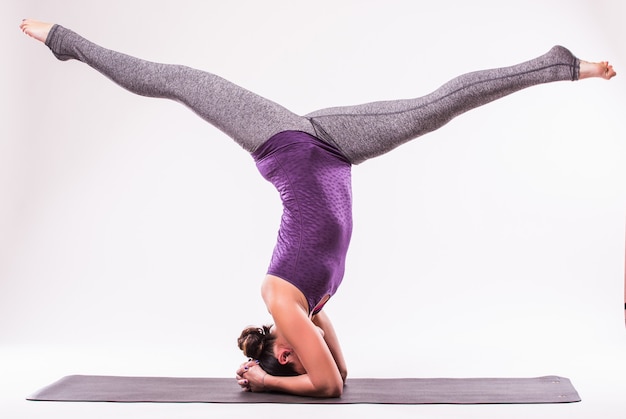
x: 314, y: 182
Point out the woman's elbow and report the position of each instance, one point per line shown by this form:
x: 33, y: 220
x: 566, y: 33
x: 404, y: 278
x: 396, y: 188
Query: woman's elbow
x: 332, y: 391
x: 337, y: 391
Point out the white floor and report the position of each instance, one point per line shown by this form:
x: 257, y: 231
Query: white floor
x: 601, y: 383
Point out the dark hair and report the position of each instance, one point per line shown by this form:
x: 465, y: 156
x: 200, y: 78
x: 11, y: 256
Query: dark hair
x: 258, y: 343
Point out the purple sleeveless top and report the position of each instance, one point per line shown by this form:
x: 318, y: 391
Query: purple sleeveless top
x: 314, y: 182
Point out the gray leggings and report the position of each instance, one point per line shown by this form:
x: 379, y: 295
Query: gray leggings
x: 359, y: 132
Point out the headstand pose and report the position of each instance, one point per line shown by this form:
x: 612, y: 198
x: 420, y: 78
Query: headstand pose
x: 308, y: 159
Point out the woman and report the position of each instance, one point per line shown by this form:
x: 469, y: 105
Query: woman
x: 308, y: 158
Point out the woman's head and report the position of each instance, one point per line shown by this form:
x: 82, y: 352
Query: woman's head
x: 259, y: 343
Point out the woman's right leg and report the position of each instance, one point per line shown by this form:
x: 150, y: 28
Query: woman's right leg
x: 246, y: 117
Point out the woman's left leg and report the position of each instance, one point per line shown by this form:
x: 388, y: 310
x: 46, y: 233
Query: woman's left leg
x: 365, y: 131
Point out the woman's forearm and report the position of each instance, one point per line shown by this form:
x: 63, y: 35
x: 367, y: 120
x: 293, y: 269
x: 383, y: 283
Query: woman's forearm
x: 300, y: 385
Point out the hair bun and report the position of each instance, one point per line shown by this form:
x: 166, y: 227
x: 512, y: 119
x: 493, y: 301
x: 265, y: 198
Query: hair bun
x: 252, y: 341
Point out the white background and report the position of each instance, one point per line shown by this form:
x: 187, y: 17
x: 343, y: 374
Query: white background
x: 134, y: 236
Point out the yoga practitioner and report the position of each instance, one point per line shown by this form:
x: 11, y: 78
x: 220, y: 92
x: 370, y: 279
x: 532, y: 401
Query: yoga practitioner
x: 308, y: 159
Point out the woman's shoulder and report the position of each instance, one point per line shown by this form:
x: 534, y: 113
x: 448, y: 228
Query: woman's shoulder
x: 278, y: 292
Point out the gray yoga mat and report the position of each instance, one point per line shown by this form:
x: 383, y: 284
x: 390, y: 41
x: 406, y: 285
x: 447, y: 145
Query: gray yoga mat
x: 86, y: 388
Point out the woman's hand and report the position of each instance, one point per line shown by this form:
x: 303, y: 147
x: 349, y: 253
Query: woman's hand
x: 251, y: 377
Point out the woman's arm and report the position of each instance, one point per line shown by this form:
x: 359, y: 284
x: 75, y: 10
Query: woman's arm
x: 289, y: 310
x: 321, y: 380
x: 323, y: 322
x: 255, y: 379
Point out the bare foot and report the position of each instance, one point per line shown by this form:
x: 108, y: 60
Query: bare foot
x: 602, y: 69
x: 36, y: 29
